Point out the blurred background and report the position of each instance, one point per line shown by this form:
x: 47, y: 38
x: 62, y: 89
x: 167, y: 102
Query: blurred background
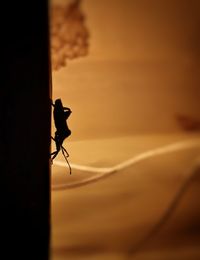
x: 129, y: 71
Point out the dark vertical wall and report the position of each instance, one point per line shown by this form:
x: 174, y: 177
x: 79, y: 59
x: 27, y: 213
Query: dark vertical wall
x: 25, y: 131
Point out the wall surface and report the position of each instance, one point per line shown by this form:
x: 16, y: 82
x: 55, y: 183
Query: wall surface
x: 25, y: 131
x: 134, y: 188
x: 142, y: 69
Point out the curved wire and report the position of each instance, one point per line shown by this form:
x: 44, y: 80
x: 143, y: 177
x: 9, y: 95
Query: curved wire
x: 194, y: 170
x: 105, y: 172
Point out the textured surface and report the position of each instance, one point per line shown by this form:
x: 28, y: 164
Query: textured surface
x: 69, y: 35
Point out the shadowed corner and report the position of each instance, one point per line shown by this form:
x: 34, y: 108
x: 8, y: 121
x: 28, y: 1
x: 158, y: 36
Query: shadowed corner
x: 188, y: 123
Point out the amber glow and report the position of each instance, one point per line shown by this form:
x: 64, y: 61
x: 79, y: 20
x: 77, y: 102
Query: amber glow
x: 135, y: 141
x: 69, y: 35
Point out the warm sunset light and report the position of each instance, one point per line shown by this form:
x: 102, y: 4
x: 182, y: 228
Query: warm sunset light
x: 128, y: 70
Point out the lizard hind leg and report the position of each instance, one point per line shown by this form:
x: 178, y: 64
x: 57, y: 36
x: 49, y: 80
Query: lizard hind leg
x: 65, y: 154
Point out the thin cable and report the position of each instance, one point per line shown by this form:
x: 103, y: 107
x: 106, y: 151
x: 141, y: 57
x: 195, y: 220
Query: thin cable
x: 105, y: 172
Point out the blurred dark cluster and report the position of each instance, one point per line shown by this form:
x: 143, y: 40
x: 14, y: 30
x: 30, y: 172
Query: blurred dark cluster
x: 68, y: 32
